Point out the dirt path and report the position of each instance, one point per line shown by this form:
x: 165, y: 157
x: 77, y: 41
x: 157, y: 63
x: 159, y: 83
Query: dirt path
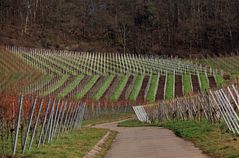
x: 149, y: 142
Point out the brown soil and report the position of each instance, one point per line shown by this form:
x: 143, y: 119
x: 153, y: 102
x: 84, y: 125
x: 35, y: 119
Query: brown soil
x: 79, y: 87
x: 129, y: 82
x: 212, y: 82
x: 160, y: 90
x: 178, y: 86
x: 142, y: 89
x: 60, y: 89
x: 95, y: 87
x: 195, y: 82
x: 111, y: 88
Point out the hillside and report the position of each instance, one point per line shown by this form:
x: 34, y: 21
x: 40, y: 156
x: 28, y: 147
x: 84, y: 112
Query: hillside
x: 132, y: 26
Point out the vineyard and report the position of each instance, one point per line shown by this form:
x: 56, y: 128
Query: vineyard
x: 111, y: 76
x: 45, y: 93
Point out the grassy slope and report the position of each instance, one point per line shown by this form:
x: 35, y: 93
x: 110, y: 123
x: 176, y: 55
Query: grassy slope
x: 169, y: 88
x: 212, y: 139
x: 119, y: 88
x: 152, y: 89
x: 187, y: 84
x: 55, y: 86
x: 87, y: 87
x: 71, y: 86
x: 103, y: 88
x: 204, y: 82
x: 136, y: 88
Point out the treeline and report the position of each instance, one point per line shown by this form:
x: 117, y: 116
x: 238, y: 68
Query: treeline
x: 139, y: 26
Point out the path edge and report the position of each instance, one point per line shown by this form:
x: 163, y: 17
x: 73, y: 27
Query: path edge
x: 101, y: 148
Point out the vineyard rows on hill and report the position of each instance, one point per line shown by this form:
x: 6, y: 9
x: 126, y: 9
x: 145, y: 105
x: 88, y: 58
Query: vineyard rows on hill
x: 106, y: 76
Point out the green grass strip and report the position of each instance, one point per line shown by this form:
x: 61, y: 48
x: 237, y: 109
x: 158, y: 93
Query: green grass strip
x: 71, y: 86
x: 87, y: 87
x: 104, y: 87
x: 57, y: 85
x: 75, y: 144
x: 120, y: 87
x: 187, y: 84
x: 170, y: 86
x: 136, y: 88
x: 152, y: 89
x: 219, y: 80
x: 204, y: 82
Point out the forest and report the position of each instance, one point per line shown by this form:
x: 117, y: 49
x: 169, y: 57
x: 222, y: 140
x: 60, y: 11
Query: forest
x: 176, y: 27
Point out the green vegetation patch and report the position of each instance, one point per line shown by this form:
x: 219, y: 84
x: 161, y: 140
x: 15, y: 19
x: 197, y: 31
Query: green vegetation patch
x: 204, y: 82
x: 119, y: 88
x: 75, y: 144
x: 170, y: 87
x: 87, y: 87
x: 57, y: 85
x: 103, y: 87
x: 71, y: 86
x: 187, y: 84
x: 152, y: 88
x: 211, y: 138
x: 219, y: 80
x: 134, y: 123
x: 107, y: 118
x: 136, y: 88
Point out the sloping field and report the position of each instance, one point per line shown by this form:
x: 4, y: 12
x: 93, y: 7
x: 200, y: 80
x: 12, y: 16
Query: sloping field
x: 99, y: 76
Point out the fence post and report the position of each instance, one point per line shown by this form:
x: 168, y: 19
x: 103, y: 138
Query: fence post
x: 18, y: 124
x: 36, y: 123
x: 44, y: 122
x: 29, y: 125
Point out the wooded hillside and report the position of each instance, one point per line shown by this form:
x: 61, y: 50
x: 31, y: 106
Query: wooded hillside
x: 137, y: 26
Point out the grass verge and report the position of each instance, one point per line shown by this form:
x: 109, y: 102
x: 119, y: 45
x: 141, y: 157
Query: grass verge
x: 75, y: 144
x: 134, y: 123
x: 107, y: 144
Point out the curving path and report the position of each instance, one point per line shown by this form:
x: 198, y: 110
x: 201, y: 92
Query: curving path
x: 149, y: 142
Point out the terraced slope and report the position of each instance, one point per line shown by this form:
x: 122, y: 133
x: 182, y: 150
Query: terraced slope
x: 102, y: 77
